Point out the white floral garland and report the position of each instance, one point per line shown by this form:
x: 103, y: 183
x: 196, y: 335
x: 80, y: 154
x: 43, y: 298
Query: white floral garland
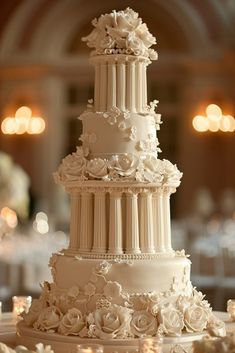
x: 124, y: 167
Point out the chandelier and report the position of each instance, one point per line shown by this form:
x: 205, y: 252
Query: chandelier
x: 214, y: 120
x: 23, y: 122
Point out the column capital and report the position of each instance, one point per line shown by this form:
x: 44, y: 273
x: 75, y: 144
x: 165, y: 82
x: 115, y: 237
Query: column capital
x: 131, y: 193
x: 115, y: 193
x: 86, y: 194
x: 168, y: 190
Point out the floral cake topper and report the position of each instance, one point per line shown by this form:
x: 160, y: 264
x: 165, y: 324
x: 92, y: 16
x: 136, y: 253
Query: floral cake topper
x: 121, y: 32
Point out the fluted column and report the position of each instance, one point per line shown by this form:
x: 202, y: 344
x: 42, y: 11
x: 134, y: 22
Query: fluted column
x: 160, y: 241
x: 100, y: 241
x: 103, y: 87
x: 121, y: 85
x: 139, y: 86
x: 115, y: 223
x: 154, y: 205
x: 144, y: 73
x: 146, y: 223
x: 167, y: 219
x: 86, y: 222
x: 75, y: 221
x: 111, y: 94
x: 132, y: 224
x: 130, y: 87
x: 97, y: 88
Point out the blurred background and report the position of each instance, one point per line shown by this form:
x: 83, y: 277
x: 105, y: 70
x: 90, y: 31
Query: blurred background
x: 44, y: 66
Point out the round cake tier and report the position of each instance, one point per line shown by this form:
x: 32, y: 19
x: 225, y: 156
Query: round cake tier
x: 135, y: 277
x: 115, y: 132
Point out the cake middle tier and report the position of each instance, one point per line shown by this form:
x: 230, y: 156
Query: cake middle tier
x: 133, y: 277
x: 106, y: 134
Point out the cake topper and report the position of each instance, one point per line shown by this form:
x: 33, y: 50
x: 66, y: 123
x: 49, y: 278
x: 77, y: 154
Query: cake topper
x: 121, y: 32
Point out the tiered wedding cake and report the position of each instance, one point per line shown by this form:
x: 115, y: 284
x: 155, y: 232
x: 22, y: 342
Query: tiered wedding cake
x: 119, y: 279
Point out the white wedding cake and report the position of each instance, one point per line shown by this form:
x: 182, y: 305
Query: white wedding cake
x: 119, y: 279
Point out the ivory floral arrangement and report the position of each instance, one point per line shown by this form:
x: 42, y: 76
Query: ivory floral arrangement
x: 121, y: 32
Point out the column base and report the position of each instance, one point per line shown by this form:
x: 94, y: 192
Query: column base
x: 115, y: 252
x: 133, y: 251
x: 148, y: 251
x: 99, y: 251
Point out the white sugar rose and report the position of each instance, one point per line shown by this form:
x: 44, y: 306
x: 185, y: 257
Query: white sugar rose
x: 112, y: 289
x: 72, y: 323
x: 125, y: 165
x: 113, y: 322
x: 107, y: 42
x: 172, y: 175
x: 216, y: 327
x: 196, y: 318
x: 153, y: 171
x: 97, y: 168
x: 143, y: 324
x: 171, y: 320
x: 153, y: 55
x: 49, y: 319
x: 89, y: 289
x: 72, y: 166
x: 143, y: 33
x: 135, y: 44
x: 102, y: 268
x: 73, y: 292
x: 35, y: 309
x: 123, y: 22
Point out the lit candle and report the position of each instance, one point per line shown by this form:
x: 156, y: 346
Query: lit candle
x: 150, y: 345
x: 90, y: 348
x: 231, y: 308
x: 21, y: 304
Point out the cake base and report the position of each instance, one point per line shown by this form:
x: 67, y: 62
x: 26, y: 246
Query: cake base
x: 67, y: 344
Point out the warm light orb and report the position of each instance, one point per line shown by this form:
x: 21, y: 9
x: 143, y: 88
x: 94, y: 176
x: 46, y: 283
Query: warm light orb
x: 213, y: 112
x: 9, y: 216
x: 23, y: 122
x: 42, y: 226
x: 8, y: 126
x: 200, y: 123
x: 213, y: 125
x: 41, y: 215
x: 224, y: 124
x: 232, y: 123
x: 36, y: 125
x: 214, y: 120
x: 23, y: 114
x: 20, y: 127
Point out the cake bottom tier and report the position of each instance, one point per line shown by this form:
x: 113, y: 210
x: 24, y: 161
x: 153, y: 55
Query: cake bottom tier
x: 118, y: 299
x: 66, y: 344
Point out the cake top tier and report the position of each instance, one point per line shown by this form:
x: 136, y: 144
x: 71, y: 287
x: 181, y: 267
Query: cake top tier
x: 121, y: 32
